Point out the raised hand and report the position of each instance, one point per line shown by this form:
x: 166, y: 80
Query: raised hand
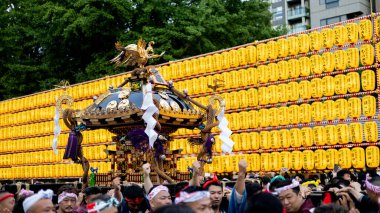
x: 146, y: 169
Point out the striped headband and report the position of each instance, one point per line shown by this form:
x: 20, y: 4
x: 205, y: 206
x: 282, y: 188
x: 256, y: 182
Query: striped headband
x: 185, y: 197
x: 294, y: 184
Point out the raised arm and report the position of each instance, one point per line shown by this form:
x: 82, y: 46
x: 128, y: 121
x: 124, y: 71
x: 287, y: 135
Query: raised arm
x: 147, y: 182
x: 194, y: 180
x: 240, y: 183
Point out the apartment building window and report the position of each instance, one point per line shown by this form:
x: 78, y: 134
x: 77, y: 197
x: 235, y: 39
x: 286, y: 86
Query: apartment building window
x: 329, y: 3
x: 331, y: 20
x: 275, y: 1
x: 277, y: 13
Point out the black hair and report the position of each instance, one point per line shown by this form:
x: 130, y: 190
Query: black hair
x: 264, y: 202
x: 102, y: 197
x: 180, y: 186
x: 286, y: 183
x: 192, y: 189
x: 67, y: 189
x: 174, y: 209
x: 300, y: 176
x: 330, y: 208
x: 214, y: 184
x: 92, y: 191
x: 265, y: 180
x: 132, y: 192
x: 274, y: 184
x: 342, y: 172
x: 252, y: 188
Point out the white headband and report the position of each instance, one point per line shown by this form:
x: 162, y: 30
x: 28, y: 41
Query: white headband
x: 185, y: 197
x: 101, y: 205
x: 64, y: 195
x: 30, y: 201
x: 294, y: 184
x: 156, y: 190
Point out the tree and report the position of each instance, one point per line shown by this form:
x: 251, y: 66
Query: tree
x: 44, y: 42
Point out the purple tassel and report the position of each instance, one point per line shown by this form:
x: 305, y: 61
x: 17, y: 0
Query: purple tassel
x: 139, y: 139
x: 208, y: 145
x: 71, y: 147
x: 159, y: 149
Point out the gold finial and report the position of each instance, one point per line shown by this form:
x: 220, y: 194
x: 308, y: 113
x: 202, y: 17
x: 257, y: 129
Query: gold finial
x: 216, y: 85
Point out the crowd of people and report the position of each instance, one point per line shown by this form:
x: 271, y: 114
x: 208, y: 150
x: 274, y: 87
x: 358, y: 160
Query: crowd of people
x: 335, y: 192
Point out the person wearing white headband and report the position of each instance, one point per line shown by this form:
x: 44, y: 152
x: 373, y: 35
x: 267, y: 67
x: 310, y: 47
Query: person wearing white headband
x: 157, y: 196
x: 67, y: 199
x: 40, y: 202
x: 195, y: 197
x: 291, y: 197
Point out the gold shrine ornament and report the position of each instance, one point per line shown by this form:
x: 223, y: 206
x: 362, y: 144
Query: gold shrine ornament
x: 123, y: 104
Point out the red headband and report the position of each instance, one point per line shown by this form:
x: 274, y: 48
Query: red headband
x: 136, y: 200
x: 6, y: 196
x: 213, y: 180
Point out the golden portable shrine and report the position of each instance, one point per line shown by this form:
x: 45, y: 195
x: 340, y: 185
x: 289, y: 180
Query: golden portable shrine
x: 304, y: 101
x: 142, y: 112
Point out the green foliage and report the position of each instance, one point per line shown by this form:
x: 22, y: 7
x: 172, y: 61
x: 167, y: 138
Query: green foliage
x: 43, y: 42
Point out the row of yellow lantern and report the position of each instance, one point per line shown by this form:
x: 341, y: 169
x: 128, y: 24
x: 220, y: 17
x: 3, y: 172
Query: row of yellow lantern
x: 91, y: 153
x: 50, y: 171
x: 346, y: 158
x: 272, y: 50
x: 90, y: 137
x: 294, y: 137
x: 37, y: 114
x: 49, y: 97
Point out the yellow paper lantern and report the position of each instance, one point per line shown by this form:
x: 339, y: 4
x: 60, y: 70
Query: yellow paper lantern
x: 272, y: 50
x: 252, y: 54
x: 352, y: 33
x: 316, y: 111
x: 294, y: 68
x: 293, y: 45
x: 283, y: 70
x: 340, y: 59
x: 316, y: 88
x: 265, y: 164
x: 285, y: 160
x: 330, y: 112
x: 304, y: 89
x: 305, y: 66
x: 264, y: 140
x: 370, y: 131
x: 320, y: 159
x: 283, y: 47
x: 262, y: 73
x: 345, y: 160
x: 262, y: 52
x: 342, y: 133
x: 254, y: 162
x: 354, y: 107
x: 273, y: 114
x: 225, y: 60
x: 328, y: 86
x: 297, y: 160
x: 282, y: 94
x: 377, y: 26
x: 308, y: 159
x: 293, y: 116
x: 340, y: 84
x: 368, y: 80
x: 234, y: 58
x: 367, y: 54
x: 327, y: 38
x: 293, y: 92
x: 316, y: 64
x: 304, y: 43
x: 356, y: 132
x: 304, y: 113
x: 255, y: 140
x: 245, y: 141
x: 365, y: 29
x: 253, y: 118
x: 274, y: 160
x: 353, y: 82
x: 352, y: 57
x: 315, y: 41
x: 262, y: 95
x: 295, y: 137
x: 341, y: 106
x: 253, y: 97
x: 372, y: 156
x: 358, y: 158
x: 282, y: 114
x: 331, y: 135
x: 369, y: 106
x: 328, y: 62
x: 319, y: 135
x: 332, y: 158
x: 340, y: 35
x: 307, y: 136
x: 378, y: 51
x: 273, y: 72
x: 284, y: 137
x: 243, y: 52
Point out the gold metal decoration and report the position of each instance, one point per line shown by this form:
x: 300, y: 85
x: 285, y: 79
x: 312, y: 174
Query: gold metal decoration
x: 69, y: 101
x: 124, y: 104
x: 164, y: 104
x: 174, y: 105
x: 163, y: 95
x: 111, y: 105
x: 124, y: 94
